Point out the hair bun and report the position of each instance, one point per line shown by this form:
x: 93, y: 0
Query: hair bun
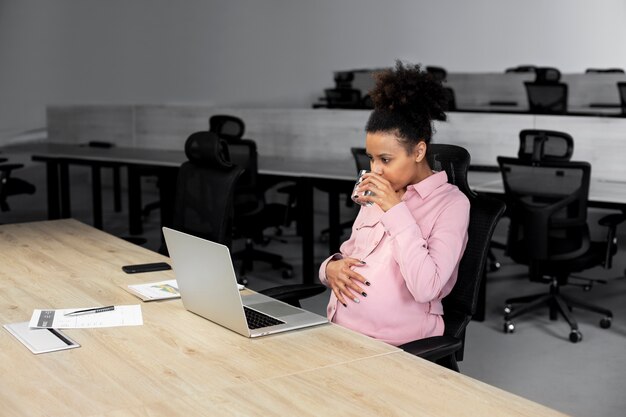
x: 411, y: 92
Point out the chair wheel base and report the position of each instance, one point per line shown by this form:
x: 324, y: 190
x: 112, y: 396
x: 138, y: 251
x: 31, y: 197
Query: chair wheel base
x: 509, y: 327
x: 605, y: 323
x: 575, y: 336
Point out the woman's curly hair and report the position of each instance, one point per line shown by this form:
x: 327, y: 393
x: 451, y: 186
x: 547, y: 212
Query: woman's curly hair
x: 406, y: 101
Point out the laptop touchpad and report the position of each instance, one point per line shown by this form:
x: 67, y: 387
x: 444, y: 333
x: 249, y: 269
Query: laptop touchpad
x: 275, y: 309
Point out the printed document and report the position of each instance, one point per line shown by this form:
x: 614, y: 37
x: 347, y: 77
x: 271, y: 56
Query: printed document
x: 125, y: 315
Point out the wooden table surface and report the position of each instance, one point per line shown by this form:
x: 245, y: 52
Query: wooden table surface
x: 178, y: 363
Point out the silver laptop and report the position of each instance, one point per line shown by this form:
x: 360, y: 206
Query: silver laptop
x: 208, y: 287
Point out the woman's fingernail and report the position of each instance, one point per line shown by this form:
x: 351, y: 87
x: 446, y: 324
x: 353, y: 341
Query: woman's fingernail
x: 356, y: 300
x: 363, y: 262
x: 345, y: 305
x: 367, y: 283
x: 364, y: 294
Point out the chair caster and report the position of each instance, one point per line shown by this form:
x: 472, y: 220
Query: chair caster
x: 509, y: 327
x: 605, y: 323
x: 494, y: 266
x: 508, y: 308
x: 575, y: 336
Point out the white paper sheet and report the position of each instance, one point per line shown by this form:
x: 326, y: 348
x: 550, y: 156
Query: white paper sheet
x: 151, y: 291
x: 126, y: 315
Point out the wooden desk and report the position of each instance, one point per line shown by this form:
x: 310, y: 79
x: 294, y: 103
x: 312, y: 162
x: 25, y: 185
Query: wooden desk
x: 165, y: 163
x: 178, y: 364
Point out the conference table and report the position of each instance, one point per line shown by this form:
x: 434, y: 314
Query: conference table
x: 179, y: 364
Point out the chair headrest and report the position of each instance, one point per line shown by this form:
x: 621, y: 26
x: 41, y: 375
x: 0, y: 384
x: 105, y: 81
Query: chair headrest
x: 226, y: 126
x: 207, y: 149
x: 547, y: 75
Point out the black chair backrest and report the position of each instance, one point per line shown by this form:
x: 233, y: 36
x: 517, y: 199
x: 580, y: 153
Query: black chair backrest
x: 547, y: 98
x: 440, y: 74
x: 548, y: 207
x: 460, y: 305
x: 621, y: 86
x: 248, y: 195
x: 361, y: 159
x: 547, y: 75
x: 228, y: 127
x: 549, y: 145
x: 205, y: 189
x: 343, y: 79
x: 343, y: 98
x: 604, y: 71
x: 521, y: 68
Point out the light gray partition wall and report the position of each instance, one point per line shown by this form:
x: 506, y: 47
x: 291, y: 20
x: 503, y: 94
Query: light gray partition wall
x: 485, y: 135
x: 599, y: 140
x: 84, y: 123
x: 169, y: 126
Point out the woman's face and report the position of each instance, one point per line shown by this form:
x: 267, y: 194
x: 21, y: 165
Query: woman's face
x: 388, y: 158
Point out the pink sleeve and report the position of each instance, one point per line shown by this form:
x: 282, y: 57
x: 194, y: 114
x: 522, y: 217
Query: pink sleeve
x: 345, y: 251
x: 427, y: 265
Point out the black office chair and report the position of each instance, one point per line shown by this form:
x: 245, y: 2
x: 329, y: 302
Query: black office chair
x: 521, y: 68
x: 205, y: 190
x: 229, y: 128
x: 545, y: 145
x: 536, y: 144
x: 253, y: 215
x: 547, y: 95
x: 12, y: 186
x: 604, y: 71
x: 440, y: 74
x: 621, y: 86
x: 460, y: 305
x: 343, y: 98
x: 549, y: 233
x: 334, y: 189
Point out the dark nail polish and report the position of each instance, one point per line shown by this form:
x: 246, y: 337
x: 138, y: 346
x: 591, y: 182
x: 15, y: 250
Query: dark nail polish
x: 345, y: 305
x: 367, y: 283
x: 363, y: 262
x: 364, y: 294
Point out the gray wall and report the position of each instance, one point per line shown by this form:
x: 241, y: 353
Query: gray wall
x: 273, y: 53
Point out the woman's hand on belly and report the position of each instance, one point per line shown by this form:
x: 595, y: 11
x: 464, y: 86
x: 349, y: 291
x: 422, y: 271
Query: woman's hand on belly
x: 344, y: 281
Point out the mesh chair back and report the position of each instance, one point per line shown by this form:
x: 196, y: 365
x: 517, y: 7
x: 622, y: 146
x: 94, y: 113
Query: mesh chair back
x: 205, y: 190
x: 460, y: 304
x: 343, y: 79
x: 343, y: 98
x: 548, y: 206
x: 228, y: 127
x: 361, y: 159
x: 550, y: 98
x: 438, y: 73
x: 248, y: 198
x: 549, y: 145
x: 621, y: 86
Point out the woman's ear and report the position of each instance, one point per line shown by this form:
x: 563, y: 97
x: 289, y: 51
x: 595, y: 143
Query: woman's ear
x: 419, y: 152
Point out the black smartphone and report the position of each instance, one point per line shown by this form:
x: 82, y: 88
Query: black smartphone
x: 155, y: 266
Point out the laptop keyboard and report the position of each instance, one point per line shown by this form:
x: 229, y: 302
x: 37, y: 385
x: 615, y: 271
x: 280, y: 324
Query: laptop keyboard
x: 257, y: 320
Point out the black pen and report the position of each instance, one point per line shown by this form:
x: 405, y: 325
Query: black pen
x: 90, y: 311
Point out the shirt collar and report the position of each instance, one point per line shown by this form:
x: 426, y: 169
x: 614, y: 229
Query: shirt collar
x: 429, y: 184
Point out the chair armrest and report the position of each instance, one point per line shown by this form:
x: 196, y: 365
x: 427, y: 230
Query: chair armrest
x: 292, y: 294
x: 10, y: 167
x: 433, y: 348
x: 612, y: 220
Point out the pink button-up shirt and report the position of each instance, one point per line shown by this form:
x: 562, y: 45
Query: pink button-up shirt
x: 412, y: 254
